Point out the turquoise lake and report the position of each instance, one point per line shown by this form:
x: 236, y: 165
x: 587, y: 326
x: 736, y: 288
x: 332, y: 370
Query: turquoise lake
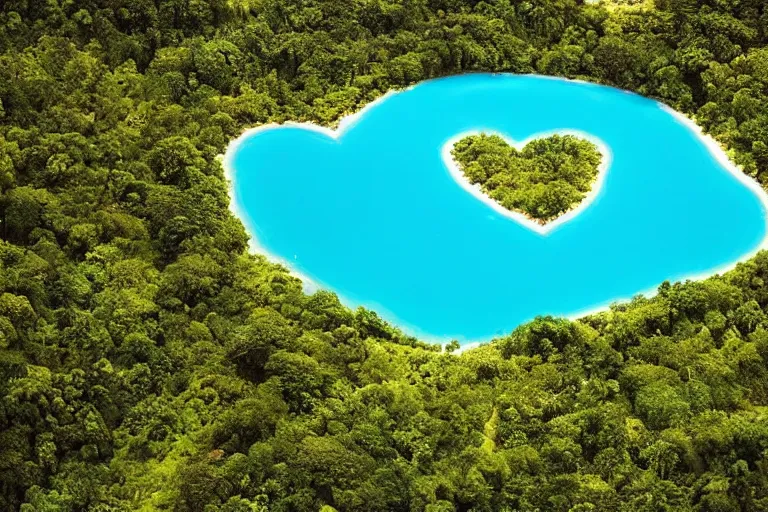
x: 375, y: 216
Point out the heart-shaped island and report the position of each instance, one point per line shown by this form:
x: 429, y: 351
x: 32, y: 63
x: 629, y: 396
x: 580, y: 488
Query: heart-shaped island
x: 546, y: 178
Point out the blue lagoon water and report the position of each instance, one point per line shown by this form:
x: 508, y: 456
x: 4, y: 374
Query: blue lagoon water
x: 375, y: 216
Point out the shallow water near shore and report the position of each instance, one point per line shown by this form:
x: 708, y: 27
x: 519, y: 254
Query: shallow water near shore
x: 373, y: 213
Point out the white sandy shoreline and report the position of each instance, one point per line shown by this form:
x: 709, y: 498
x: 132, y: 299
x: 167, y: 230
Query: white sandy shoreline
x: 347, y: 122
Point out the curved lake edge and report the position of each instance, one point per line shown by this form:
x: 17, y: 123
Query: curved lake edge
x: 346, y: 122
x: 521, y: 218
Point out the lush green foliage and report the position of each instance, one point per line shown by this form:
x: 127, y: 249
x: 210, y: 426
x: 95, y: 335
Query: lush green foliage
x: 545, y: 179
x: 147, y: 362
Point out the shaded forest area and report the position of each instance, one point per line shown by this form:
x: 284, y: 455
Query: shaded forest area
x: 147, y: 362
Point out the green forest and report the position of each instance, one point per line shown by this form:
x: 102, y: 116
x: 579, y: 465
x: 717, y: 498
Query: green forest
x: 545, y: 179
x: 149, y: 362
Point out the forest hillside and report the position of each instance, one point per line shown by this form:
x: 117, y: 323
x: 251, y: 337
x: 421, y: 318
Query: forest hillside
x: 149, y: 362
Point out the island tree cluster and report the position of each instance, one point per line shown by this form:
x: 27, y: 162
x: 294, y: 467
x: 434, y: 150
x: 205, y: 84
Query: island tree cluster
x: 548, y: 177
x: 148, y: 362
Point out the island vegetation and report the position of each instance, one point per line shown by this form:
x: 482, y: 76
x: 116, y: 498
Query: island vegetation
x: 148, y: 362
x: 543, y: 180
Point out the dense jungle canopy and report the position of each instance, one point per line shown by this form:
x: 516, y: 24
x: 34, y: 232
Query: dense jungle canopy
x: 149, y: 362
x: 543, y: 180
